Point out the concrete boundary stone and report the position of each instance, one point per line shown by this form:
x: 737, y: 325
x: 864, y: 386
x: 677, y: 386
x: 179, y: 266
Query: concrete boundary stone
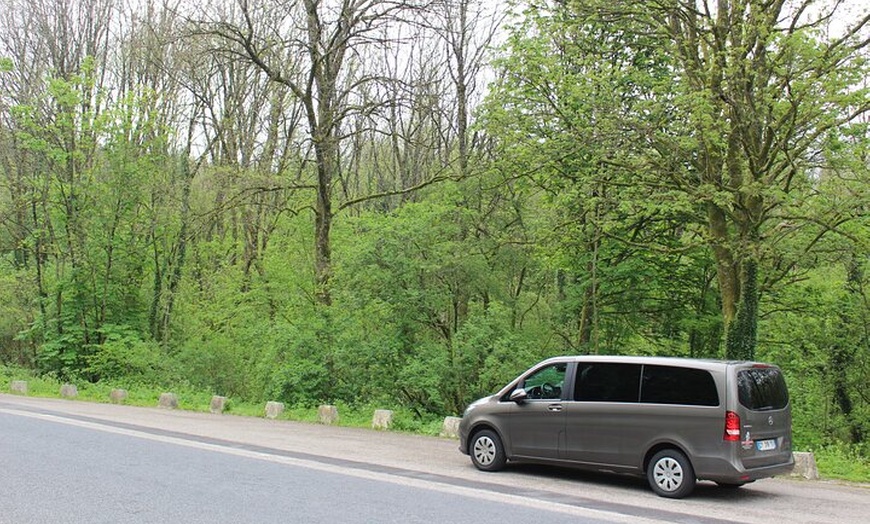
x: 450, y: 427
x: 118, y: 396
x: 327, y: 414
x: 382, y: 419
x: 805, y: 465
x: 69, y: 391
x: 19, y: 387
x: 168, y: 401
x: 218, y: 404
x: 273, y: 409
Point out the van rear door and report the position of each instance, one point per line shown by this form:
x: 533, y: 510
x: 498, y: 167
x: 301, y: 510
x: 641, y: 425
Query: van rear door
x: 765, y: 416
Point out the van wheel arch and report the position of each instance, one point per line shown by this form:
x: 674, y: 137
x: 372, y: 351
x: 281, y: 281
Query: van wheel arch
x: 477, y: 429
x: 659, y: 447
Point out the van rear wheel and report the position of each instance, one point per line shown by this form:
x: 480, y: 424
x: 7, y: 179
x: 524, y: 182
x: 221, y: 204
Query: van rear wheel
x: 487, y: 451
x: 670, y: 474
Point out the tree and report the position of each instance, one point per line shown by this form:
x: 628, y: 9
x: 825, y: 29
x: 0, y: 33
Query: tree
x: 716, y: 115
x: 58, y: 117
x: 767, y: 87
x: 551, y: 115
x: 317, y: 49
x: 467, y: 30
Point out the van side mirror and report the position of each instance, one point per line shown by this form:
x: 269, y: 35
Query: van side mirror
x: 519, y: 395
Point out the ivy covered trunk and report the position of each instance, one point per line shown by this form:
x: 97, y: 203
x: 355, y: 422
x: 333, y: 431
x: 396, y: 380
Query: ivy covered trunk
x: 742, y: 332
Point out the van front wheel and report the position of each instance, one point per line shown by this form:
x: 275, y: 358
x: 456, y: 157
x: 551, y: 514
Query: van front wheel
x: 487, y: 451
x: 670, y: 474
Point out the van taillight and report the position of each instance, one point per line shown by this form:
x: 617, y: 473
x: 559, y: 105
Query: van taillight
x: 732, y: 426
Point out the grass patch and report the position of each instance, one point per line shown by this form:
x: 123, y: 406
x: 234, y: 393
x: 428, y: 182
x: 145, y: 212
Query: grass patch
x: 843, y: 462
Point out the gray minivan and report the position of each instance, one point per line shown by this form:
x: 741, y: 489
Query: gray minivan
x: 673, y: 420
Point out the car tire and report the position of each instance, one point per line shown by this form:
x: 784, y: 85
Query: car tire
x: 670, y: 474
x: 487, y: 451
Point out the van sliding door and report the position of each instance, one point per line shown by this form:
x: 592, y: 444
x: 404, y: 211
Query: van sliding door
x: 596, y: 418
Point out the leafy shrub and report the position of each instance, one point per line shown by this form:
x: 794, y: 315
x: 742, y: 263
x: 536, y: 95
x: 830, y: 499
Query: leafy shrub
x: 219, y: 364
x: 125, y: 357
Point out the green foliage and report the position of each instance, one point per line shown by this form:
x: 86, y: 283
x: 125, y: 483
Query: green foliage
x: 301, y: 368
x: 125, y: 358
x: 844, y: 462
x: 806, y: 334
x: 15, y: 313
x: 612, y: 233
x: 428, y: 302
x: 83, y: 240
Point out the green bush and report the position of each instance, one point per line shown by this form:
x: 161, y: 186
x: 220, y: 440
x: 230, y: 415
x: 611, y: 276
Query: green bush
x: 125, y: 357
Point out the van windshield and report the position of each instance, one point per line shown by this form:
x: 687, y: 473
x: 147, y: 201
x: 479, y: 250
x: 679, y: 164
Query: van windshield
x: 762, y: 389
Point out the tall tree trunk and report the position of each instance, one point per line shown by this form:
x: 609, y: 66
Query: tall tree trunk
x: 851, y: 334
x: 742, y: 332
x: 327, y: 155
x: 180, y: 252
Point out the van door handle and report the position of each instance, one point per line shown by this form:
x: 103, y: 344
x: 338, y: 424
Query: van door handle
x: 555, y: 407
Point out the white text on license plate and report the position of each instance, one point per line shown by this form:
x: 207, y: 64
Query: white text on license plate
x: 765, y: 445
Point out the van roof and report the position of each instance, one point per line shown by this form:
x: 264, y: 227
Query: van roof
x: 664, y: 361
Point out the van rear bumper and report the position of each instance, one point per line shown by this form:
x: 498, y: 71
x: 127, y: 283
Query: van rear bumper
x: 725, y: 471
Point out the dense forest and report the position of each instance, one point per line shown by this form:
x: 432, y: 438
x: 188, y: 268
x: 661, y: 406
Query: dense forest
x: 410, y: 201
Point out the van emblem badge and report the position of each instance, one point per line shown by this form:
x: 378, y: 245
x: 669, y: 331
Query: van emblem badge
x: 769, y: 421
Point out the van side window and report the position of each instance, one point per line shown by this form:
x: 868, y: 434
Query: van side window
x: 675, y: 385
x: 597, y: 382
x: 546, y: 383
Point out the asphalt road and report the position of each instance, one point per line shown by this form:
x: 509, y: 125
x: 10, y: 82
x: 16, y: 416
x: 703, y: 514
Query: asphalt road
x: 74, y: 462
x: 55, y: 472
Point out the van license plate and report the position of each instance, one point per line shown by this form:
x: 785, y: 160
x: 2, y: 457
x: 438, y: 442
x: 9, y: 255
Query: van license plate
x: 765, y: 445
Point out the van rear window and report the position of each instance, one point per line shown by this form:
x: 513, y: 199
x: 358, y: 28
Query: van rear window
x: 762, y: 389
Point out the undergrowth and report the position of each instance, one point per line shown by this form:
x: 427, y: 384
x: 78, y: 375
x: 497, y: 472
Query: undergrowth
x: 192, y: 399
